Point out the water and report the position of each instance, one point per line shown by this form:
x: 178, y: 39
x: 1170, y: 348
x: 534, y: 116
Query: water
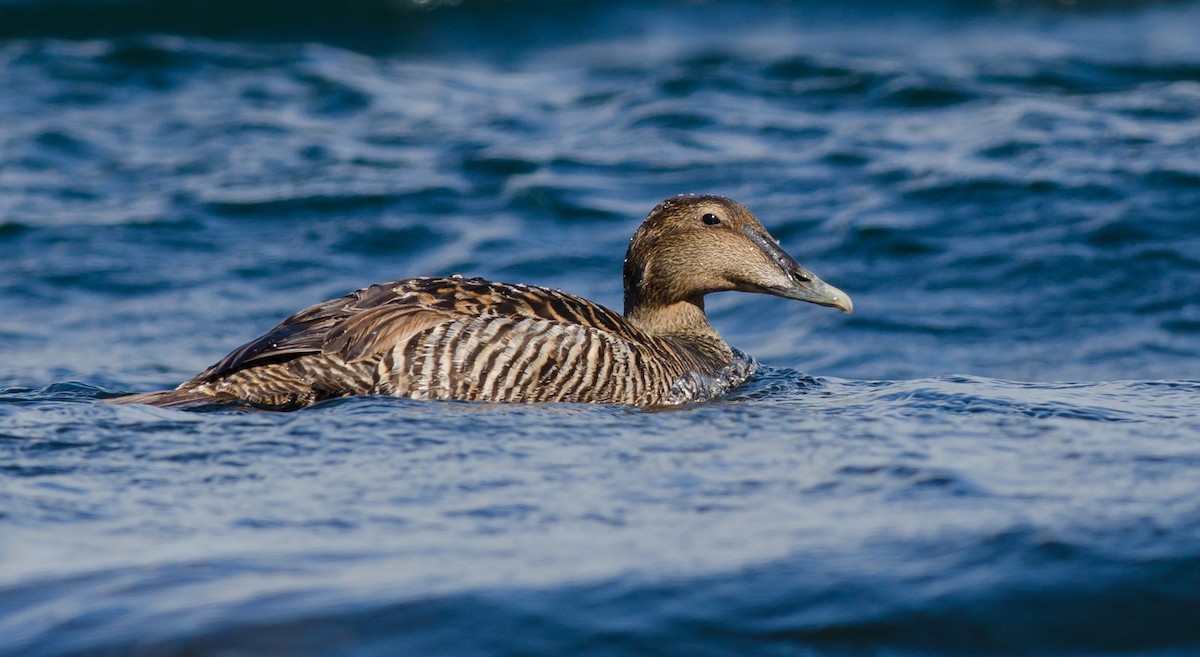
x: 995, y: 455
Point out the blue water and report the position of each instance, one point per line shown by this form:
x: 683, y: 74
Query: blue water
x: 998, y: 453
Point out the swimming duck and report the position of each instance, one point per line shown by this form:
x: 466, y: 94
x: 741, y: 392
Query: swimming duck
x: 473, y: 339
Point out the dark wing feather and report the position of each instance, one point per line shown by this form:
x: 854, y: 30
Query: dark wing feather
x: 304, y: 332
x: 290, y: 339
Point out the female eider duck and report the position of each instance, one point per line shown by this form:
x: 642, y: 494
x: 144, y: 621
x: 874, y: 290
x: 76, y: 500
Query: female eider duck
x: 472, y: 339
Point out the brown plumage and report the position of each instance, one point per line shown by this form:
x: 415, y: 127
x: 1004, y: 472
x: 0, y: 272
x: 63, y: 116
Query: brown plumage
x: 457, y: 338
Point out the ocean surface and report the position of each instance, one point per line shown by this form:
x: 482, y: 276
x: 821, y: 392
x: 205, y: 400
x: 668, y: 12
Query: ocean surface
x: 998, y: 453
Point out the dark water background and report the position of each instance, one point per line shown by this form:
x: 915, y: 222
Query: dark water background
x: 997, y: 454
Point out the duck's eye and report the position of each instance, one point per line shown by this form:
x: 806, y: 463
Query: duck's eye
x: 710, y: 219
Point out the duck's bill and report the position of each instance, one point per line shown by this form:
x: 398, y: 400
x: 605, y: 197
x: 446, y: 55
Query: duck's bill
x: 797, y: 282
x: 808, y: 287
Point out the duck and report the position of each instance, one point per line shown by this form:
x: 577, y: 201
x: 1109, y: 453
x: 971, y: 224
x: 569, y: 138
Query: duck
x: 457, y: 338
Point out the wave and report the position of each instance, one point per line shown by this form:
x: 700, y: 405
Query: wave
x: 268, y: 18
x: 798, y: 515
x: 1040, y: 597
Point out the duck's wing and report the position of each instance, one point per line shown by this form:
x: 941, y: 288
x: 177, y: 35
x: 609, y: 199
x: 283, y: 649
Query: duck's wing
x: 366, y: 323
x: 308, y: 331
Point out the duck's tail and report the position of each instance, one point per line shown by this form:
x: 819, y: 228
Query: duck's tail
x: 177, y: 398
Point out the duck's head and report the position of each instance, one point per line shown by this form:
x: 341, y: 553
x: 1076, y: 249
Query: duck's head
x: 692, y: 245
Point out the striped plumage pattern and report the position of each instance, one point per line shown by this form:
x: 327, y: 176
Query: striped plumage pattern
x: 472, y: 339
x: 454, y: 338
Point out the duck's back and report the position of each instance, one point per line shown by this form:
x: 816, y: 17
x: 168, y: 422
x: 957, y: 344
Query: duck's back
x: 451, y: 338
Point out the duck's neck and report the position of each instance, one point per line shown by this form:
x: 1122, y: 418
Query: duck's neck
x: 677, y: 318
x: 685, y: 323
